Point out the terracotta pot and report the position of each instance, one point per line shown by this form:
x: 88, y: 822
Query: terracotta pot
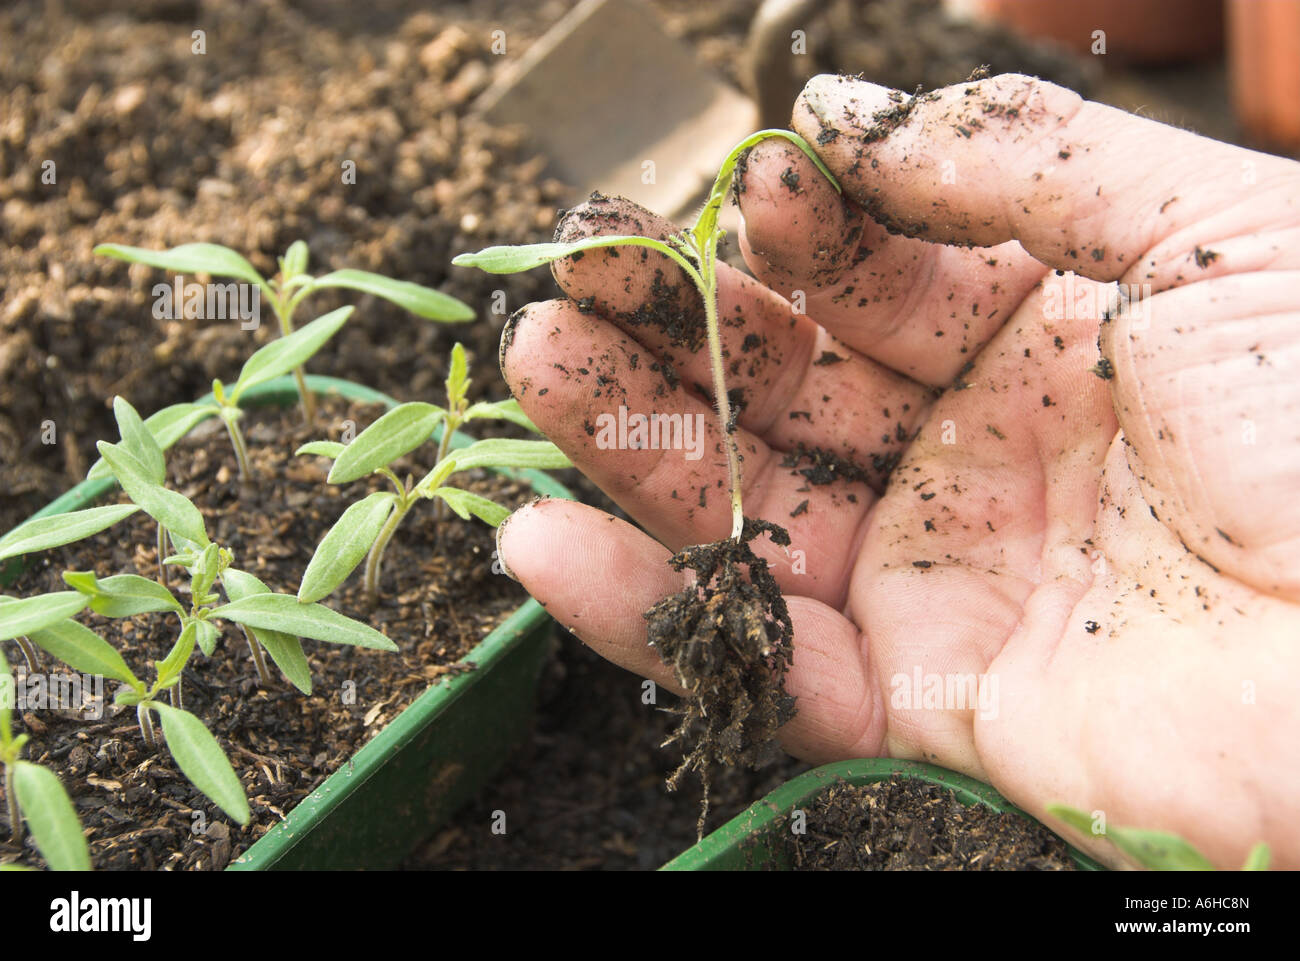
x: 1264, y: 62
x: 1137, y: 31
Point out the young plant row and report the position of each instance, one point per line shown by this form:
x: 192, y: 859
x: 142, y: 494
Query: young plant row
x: 272, y: 623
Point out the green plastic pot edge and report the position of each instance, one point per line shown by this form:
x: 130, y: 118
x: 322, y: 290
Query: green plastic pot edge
x: 513, y: 651
x: 743, y: 842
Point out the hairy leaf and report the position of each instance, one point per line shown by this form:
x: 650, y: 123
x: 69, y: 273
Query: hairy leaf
x: 512, y: 260
x: 51, y: 817
x: 170, y: 509
x: 83, y: 650
x: 167, y: 427
x: 396, y: 433
x: 464, y: 503
x: 201, y: 759
x: 293, y: 350
x: 421, y: 301
x: 21, y: 617
x: 187, y: 259
x: 345, y: 545
x: 280, y: 612
x: 56, y: 530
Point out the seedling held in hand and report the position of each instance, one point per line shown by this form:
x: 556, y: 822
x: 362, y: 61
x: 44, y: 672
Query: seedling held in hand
x: 36, y: 794
x: 293, y: 284
x: 696, y: 252
x: 728, y: 637
x: 367, y: 527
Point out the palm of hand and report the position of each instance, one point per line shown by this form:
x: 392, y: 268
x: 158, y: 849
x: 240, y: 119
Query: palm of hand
x: 1111, y: 564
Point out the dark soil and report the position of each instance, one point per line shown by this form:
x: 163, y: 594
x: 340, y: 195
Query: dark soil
x: 154, y: 145
x: 587, y: 791
x: 440, y: 598
x: 729, y: 640
x: 908, y: 825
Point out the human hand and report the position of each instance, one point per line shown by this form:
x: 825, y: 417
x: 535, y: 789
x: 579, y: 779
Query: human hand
x: 1117, y: 560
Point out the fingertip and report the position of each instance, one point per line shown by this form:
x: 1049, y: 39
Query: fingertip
x: 797, y: 226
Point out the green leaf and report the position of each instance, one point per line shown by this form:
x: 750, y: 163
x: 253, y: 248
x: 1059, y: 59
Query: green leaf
x: 464, y: 503
x: 137, y: 439
x: 201, y: 759
x: 206, y: 635
x: 176, y: 659
x: 512, y: 260
x: 1258, y: 859
x: 187, y: 259
x: 127, y: 697
x: 434, y: 479
x: 167, y: 427
x: 204, y: 573
x: 125, y: 595
x: 504, y: 452
x: 345, y: 545
x: 502, y: 410
x: 83, y: 650
x: 457, y: 377
x: 1157, y: 850
x: 281, y: 612
x: 20, y: 618
x: 283, y: 355
x: 84, y: 581
x: 285, y: 649
x: 421, y: 301
x: 295, y: 259
x: 321, y: 448
x: 51, y: 817
x: 170, y: 509
x: 43, y: 533
x: 398, y: 432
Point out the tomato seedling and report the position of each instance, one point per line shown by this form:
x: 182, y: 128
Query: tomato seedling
x: 367, y: 527
x: 292, y: 285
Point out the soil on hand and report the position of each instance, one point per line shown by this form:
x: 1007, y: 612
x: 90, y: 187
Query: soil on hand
x: 729, y: 640
x: 904, y: 824
x: 440, y: 597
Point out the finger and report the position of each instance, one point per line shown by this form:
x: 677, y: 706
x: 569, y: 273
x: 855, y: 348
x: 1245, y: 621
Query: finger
x: 780, y: 366
x: 919, y: 308
x: 596, y: 575
x: 583, y: 382
x: 1081, y: 186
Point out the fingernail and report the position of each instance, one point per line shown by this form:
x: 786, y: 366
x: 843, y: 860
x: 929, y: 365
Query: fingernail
x: 501, y: 554
x: 841, y: 103
x: 508, y: 337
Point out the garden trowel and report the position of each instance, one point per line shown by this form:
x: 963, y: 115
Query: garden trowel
x: 619, y: 106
